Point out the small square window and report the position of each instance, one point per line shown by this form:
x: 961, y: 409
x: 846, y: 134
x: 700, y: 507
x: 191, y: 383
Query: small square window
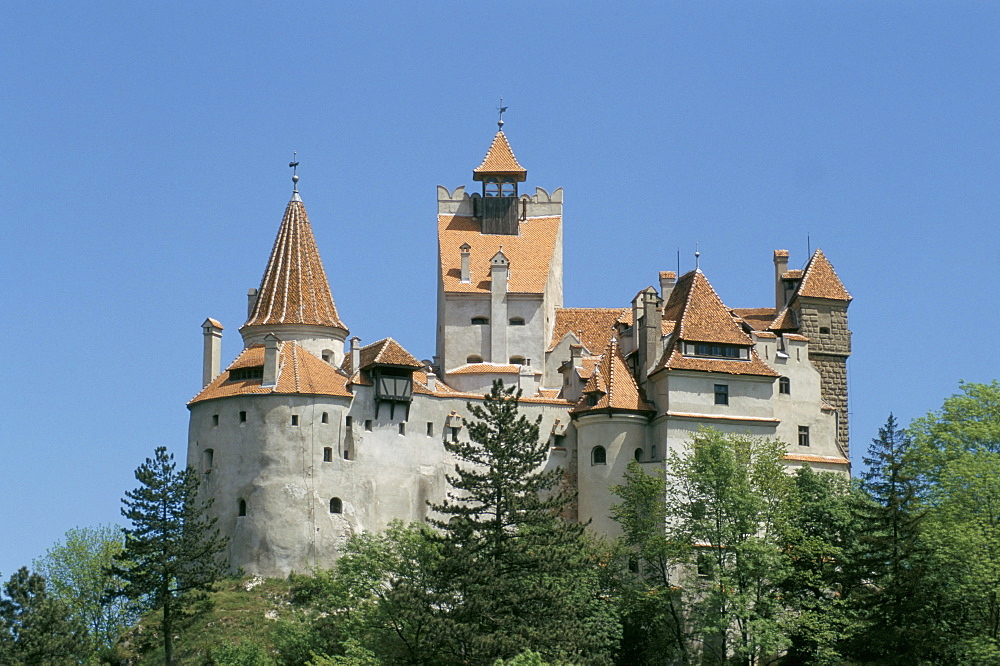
x: 243, y: 417
x: 430, y: 428
x: 722, y: 394
x: 295, y: 419
x: 368, y: 425
x: 803, y: 435
x: 215, y: 420
x: 347, y: 454
x: 402, y: 428
x: 325, y: 418
x: 824, y: 330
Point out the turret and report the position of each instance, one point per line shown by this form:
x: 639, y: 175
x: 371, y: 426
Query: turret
x: 499, y: 173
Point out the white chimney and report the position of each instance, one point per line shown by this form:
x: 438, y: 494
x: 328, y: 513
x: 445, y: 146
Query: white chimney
x: 780, y: 268
x: 466, y: 274
x: 668, y: 279
x: 431, y: 382
x: 355, y: 354
x: 211, y: 364
x: 271, y: 345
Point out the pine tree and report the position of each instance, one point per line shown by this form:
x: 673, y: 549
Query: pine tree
x: 173, y: 553
x: 891, y: 599
x: 518, y: 576
x: 36, y: 628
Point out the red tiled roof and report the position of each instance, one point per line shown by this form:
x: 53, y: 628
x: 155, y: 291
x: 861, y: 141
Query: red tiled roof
x: 500, y: 160
x: 294, y: 289
x: 674, y: 360
x: 820, y: 459
x: 700, y: 313
x: 758, y: 318
x: 595, y: 325
x: 821, y: 281
x: 613, y: 380
x: 529, y: 252
x: 300, y: 372
x: 387, y: 352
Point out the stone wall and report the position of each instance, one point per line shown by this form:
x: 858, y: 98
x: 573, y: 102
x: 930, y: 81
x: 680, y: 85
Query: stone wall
x: 828, y: 352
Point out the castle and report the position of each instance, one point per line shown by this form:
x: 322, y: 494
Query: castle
x: 308, y: 437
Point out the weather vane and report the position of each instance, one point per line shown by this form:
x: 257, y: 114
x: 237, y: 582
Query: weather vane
x: 501, y: 109
x: 295, y: 168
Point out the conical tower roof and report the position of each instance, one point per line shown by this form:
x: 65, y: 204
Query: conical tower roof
x: 821, y: 281
x: 500, y: 161
x: 613, y: 384
x: 294, y: 289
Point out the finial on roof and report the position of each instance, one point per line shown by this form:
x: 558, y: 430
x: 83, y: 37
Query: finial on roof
x: 501, y: 109
x: 697, y: 254
x: 294, y: 164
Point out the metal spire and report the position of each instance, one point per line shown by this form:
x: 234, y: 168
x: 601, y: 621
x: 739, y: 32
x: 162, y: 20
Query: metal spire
x: 501, y: 109
x: 697, y: 254
x: 295, y: 175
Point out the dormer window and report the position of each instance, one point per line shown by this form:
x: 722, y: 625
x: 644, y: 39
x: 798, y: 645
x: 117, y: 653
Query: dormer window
x: 715, y: 350
x: 593, y: 399
x: 393, y: 385
x: 243, y: 374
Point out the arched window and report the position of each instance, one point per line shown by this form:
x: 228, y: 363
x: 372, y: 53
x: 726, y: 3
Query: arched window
x: 517, y: 360
x: 517, y: 321
x: 480, y: 321
x: 492, y: 187
x: 598, y: 456
x: 784, y: 385
x: 638, y: 455
x: 474, y: 359
x: 325, y: 418
x: 336, y: 506
x: 242, y: 507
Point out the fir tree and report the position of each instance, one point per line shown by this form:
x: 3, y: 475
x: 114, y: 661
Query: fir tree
x: 173, y: 554
x: 518, y: 576
x: 36, y: 628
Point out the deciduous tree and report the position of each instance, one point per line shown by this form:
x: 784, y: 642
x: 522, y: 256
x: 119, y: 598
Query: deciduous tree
x: 35, y: 627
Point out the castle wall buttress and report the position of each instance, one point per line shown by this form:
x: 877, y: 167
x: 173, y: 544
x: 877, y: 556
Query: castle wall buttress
x: 825, y: 324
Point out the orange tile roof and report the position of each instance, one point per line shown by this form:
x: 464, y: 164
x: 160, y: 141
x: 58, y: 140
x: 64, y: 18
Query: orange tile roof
x: 613, y: 380
x: 758, y: 318
x: 700, y: 313
x: 387, y: 352
x: 500, y: 160
x: 487, y: 368
x: 529, y: 252
x: 724, y: 417
x: 821, y: 281
x: 793, y: 274
x: 764, y: 334
x: 294, y: 289
x: 837, y: 460
x: 593, y: 324
x: 795, y: 336
x: 674, y: 360
x: 213, y: 322
x: 300, y: 372
x: 785, y: 321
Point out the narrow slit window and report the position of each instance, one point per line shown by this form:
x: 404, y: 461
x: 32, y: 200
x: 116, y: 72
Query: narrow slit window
x: 430, y: 428
x: 243, y: 417
x: 207, y: 460
x: 325, y: 418
x: 327, y: 454
x: 348, y: 421
x: 368, y: 425
x: 242, y: 507
x: 295, y: 419
x: 402, y: 429
x: 215, y: 420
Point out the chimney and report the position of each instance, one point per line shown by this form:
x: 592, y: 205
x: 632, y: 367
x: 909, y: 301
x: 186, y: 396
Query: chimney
x: 431, y: 382
x: 499, y: 272
x: 251, y: 301
x: 575, y: 355
x: 649, y: 334
x: 211, y: 364
x: 271, y: 345
x: 355, y: 354
x: 466, y: 276
x: 780, y: 267
x: 527, y: 381
x: 667, y: 281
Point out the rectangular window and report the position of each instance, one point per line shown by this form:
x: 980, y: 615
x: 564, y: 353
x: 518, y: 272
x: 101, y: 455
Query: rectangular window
x: 243, y: 417
x: 348, y: 421
x: 430, y: 428
x: 722, y: 394
x: 368, y: 425
x: 295, y: 419
x: 325, y: 418
x: 327, y: 454
x: 454, y: 434
x: 784, y: 385
x: 402, y: 428
x: 215, y: 420
x: 803, y: 435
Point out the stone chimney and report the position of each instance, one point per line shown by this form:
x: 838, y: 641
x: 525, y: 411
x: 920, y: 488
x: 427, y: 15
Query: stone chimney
x: 780, y: 267
x: 251, y: 302
x: 211, y: 364
x: 527, y: 380
x: 466, y: 274
x: 667, y: 281
x: 499, y: 271
x: 649, y: 331
x: 431, y: 382
x: 355, y: 354
x: 271, y: 347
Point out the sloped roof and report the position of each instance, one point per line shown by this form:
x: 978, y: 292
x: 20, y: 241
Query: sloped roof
x: 487, y: 369
x: 613, y: 380
x: 758, y: 319
x: 785, y: 321
x: 500, y: 161
x: 700, y: 314
x: 387, y: 352
x: 294, y: 289
x: 673, y: 359
x: 300, y: 372
x: 593, y: 324
x: 529, y: 252
x: 821, y: 281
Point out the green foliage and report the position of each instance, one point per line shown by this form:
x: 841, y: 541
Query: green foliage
x: 77, y: 572
x: 35, y: 627
x: 354, y: 655
x: 173, y: 555
x: 729, y: 492
x: 514, y: 575
x: 526, y: 658
x: 242, y: 653
x: 653, y: 608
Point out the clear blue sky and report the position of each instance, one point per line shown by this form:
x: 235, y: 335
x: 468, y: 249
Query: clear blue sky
x: 143, y: 173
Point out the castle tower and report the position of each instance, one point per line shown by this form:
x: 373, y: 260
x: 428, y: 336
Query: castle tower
x: 500, y: 276
x: 294, y: 300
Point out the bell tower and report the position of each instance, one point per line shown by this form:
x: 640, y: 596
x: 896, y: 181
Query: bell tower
x: 500, y: 172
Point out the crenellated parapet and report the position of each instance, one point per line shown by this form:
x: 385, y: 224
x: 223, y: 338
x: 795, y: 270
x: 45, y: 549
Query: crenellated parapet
x: 540, y: 204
